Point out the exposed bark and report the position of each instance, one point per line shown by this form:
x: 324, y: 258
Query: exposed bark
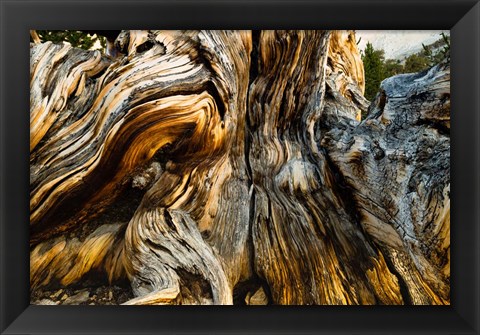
x: 220, y: 167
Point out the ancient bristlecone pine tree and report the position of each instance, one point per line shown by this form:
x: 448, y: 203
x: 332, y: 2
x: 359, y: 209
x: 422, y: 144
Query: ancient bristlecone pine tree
x: 235, y: 169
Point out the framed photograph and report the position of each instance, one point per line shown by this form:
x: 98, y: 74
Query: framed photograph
x: 221, y: 158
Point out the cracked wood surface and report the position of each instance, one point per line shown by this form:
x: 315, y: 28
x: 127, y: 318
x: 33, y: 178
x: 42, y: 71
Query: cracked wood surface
x: 220, y: 167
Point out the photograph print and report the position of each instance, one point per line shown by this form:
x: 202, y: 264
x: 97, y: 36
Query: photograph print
x: 241, y: 167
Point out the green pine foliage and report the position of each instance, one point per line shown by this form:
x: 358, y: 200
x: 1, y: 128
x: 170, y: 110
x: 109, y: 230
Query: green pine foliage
x: 76, y: 38
x: 392, y: 67
x: 416, y: 63
x: 377, y: 68
x: 442, y: 47
x: 373, y: 63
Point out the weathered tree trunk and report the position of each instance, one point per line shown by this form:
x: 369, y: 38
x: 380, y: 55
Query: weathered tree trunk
x: 220, y: 167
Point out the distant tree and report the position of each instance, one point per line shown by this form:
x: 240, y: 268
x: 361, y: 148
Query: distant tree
x: 76, y: 38
x: 446, y: 48
x: 430, y: 56
x: 434, y: 53
x: 373, y: 63
x: 392, y: 67
x: 377, y: 68
x: 416, y: 63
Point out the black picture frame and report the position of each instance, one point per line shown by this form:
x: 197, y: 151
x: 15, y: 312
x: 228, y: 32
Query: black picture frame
x: 17, y: 17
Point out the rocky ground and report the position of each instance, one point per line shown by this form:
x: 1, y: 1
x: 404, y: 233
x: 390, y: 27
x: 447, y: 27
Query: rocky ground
x: 114, y: 295
x: 103, y: 295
